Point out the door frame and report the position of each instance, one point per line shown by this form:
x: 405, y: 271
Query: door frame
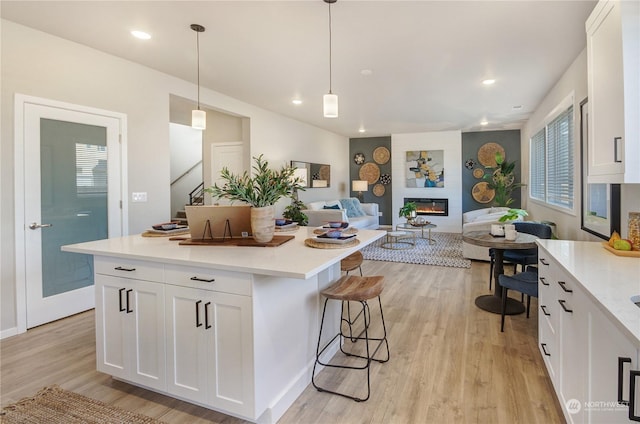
x: 20, y: 101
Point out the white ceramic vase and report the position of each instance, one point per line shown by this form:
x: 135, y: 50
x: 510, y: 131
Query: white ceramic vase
x: 263, y: 223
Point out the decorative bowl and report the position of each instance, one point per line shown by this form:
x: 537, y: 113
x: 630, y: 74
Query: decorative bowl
x: 335, y: 224
x: 281, y: 221
x: 334, y: 234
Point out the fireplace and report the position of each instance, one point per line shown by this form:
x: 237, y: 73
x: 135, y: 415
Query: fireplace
x: 437, y: 207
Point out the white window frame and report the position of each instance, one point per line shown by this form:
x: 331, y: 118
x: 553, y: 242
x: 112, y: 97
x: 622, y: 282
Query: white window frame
x: 561, y: 108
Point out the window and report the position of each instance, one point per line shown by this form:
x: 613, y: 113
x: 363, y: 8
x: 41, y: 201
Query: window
x: 91, y: 169
x: 552, y: 162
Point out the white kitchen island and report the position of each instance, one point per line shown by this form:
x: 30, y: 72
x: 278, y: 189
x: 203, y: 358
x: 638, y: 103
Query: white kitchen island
x: 230, y: 328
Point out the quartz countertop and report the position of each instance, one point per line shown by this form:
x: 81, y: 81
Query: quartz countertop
x: 292, y: 259
x: 608, y: 279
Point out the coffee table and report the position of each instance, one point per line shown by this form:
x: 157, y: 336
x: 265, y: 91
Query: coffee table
x: 409, y: 227
x: 398, y: 240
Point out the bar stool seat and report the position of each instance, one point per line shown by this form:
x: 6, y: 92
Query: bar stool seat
x: 351, y: 288
x: 351, y: 262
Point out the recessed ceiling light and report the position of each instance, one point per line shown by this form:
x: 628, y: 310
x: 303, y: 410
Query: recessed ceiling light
x: 141, y: 34
x: 517, y: 107
x: 488, y: 81
x: 366, y: 72
x: 361, y: 130
x: 296, y: 101
x: 484, y: 122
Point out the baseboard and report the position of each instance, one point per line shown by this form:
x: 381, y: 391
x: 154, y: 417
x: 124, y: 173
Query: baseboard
x: 9, y: 332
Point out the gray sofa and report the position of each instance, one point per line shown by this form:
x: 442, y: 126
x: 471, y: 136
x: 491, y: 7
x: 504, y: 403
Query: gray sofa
x: 319, y: 216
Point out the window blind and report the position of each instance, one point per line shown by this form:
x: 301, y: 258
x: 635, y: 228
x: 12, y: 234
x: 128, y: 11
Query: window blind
x: 538, y: 166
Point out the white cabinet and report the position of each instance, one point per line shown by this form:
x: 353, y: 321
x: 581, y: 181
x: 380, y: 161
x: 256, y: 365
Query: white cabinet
x: 209, y: 348
x: 613, y: 48
x: 130, y: 336
x: 612, y: 357
x: 548, y: 320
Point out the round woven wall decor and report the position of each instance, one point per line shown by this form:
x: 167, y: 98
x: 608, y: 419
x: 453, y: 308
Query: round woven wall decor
x: 478, y: 173
x: 369, y: 172
x: 378, y: 190
x: 381, y: 155
x: 481, y: 192
x: 487, y: 154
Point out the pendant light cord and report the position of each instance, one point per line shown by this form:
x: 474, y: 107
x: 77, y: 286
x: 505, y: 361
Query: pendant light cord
x: 198, y: 53
x: 330, y: 87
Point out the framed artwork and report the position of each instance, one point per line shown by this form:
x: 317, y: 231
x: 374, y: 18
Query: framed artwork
x: 424, y: 168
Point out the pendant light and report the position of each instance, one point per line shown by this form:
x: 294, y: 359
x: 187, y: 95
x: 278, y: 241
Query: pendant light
x: 198, y: 117
x: 330, y: 101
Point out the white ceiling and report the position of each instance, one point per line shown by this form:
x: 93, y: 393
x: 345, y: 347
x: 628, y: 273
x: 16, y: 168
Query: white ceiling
x: 427, y: 58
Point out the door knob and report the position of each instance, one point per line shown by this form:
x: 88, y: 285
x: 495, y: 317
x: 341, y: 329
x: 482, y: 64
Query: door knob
x: 34, y: 225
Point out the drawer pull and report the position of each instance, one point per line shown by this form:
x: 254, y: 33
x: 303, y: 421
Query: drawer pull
x: 544, y: 310
x: 198, y: 323
x: 632, y: 395
x: 206, y: 315
x: 621, y: 362
x: 129, y: 310
x: 122, y: 309
x: 544, y: 262
x: 119, y: 268
x: 544, y: 349
x: 204, y: 280
x: 544, y: 281
x: 562, y: 302
x: 564, y: 287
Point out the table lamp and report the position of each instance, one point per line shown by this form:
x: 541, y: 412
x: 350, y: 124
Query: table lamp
x: 359, y: 186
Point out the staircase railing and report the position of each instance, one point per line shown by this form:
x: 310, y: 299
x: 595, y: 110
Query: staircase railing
x: 196, y: 197
x: 185, y: 173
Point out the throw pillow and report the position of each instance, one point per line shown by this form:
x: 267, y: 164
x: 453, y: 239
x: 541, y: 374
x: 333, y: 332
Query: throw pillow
x: 316, y: 206
x: 352, y: 207
x: 331, y: 207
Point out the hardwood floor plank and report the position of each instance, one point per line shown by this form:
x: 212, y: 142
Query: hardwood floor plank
x: 449, y: 362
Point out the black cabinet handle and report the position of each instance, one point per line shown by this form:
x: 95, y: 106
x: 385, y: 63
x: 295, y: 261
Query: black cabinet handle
x: 129, y: 310
x: 544, y: 281
x: 621, y: 362
x: 632, y: 395
x: 119, y: 268
x: 544, y: 310
x: 120, y: 300
x: 206, y: 315
x: 544, y: 349
x: 615, y: 149
x: 544, y: 262
x: 562, y: 302
x: 564, y: 287
x: 204, y: 280
x: 198, y: 323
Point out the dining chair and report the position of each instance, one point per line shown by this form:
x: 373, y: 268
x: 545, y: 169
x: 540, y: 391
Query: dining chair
x: 525, y: 282
x: 522, y: 257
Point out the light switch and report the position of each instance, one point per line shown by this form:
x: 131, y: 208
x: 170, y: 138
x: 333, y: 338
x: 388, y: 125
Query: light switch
x: 139, y: 196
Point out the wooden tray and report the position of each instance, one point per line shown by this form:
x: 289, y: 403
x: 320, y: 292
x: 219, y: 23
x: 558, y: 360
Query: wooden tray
x: 627, y: 253
x: 276, y: 241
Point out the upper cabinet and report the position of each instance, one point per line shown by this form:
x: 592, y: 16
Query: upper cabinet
x: 613, y: 50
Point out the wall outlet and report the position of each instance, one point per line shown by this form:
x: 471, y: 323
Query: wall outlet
x: 139, y: 196
x: 379, y: 213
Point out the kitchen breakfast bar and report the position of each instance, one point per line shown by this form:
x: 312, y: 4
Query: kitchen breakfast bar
x: 230, y: 328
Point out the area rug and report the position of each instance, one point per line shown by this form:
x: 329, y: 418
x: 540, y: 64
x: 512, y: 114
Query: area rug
x: 446, y: 251
x: 54, y: 405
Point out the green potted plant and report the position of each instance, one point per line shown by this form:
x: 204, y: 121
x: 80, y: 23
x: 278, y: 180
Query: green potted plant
x: 261, y: 190
x: 502, y: 180
x: 294, y: 213
x: 513, y: 214
x: 408, y: 211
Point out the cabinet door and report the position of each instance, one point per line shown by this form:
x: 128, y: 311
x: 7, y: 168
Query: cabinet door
x: 111, y: 352
x: 548, y: 317
x: 606, y: 91
x: 187, y: 343
x: 232, y: 347
x: 611, y: 357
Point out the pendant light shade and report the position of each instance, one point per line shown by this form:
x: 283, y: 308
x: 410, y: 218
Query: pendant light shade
x: 198, y: 117
x: 330, y: 101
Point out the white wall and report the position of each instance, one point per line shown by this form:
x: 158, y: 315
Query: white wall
x: 38, y: 64
x: 451, y: 143
x: 574, y: 80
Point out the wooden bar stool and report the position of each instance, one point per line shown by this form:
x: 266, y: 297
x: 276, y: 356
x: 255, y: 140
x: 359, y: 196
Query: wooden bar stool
x: 351, y: 288
x: 351, y: 262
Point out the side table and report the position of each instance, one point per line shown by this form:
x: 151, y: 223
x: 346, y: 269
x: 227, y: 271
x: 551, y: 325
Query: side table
x: 398, y: 240
x: 409, y: 227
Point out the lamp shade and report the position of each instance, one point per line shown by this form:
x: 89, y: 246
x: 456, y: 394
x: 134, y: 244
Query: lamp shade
x: 359, y: 185
x: 330, y: 105
x: 198, y: 119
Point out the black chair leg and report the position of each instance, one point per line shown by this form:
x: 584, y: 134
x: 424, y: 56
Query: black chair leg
x: 490, y: 272
x: 504, y: 307
x: 528, y: 305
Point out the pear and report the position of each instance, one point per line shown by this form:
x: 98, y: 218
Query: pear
x: 615, y: 236
x: 622, y: 244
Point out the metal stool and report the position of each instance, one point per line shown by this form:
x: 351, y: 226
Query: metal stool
x: 355, y: 289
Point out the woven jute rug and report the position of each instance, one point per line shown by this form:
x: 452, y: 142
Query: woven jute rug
x: 54, y: 405
x: 446, y: 250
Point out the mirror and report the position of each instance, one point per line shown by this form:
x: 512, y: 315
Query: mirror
x: 315, y: 175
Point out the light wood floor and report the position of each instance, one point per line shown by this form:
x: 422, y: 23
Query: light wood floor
x: 449, y: 362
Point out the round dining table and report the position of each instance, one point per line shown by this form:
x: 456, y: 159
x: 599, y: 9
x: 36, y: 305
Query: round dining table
x: 493, y: 302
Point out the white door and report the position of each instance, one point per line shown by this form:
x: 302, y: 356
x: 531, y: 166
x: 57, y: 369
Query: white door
x: 72, y: 193
x: 227, y: 155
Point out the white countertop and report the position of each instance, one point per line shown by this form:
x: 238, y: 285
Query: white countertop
x: 292, y: 259
x: 608, y: 279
